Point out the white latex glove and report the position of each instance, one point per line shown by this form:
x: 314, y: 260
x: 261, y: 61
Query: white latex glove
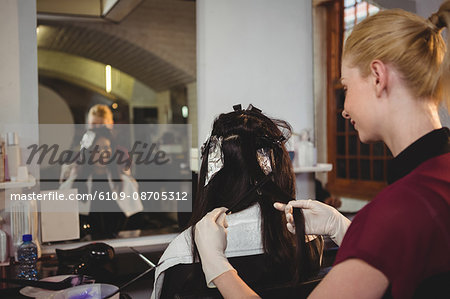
x: 320, y: 218
x: 211, y: 240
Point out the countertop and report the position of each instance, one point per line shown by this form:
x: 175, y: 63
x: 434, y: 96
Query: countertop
x: 125, y: 266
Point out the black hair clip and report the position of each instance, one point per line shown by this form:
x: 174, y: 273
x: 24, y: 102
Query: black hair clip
x: 237, y: 107
x: 253, y: 108
x: 250, y: 107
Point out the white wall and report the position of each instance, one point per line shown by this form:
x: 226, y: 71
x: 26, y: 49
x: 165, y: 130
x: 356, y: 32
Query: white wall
x: 320, y: 87
x: 255, y: 51
x: 259, y: 52
x: 18, y: 71
x: 18, y: 61
x: 19, y: 96
x: 425, y: 8
x: 49, y: 102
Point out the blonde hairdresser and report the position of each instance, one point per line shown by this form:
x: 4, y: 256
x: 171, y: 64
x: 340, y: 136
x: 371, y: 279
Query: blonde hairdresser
x: 395, y: 70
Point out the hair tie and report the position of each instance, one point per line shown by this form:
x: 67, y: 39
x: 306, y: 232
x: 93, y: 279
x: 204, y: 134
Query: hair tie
x: 437, y: 21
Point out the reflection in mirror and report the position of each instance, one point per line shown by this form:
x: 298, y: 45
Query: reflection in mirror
x: 115, y: 178
x: 140, y: 61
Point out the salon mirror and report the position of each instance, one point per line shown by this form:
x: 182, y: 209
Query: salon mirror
x: 138, y: 58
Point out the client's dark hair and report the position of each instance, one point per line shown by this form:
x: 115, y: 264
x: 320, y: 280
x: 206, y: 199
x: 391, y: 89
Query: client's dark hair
x: 243, y: 132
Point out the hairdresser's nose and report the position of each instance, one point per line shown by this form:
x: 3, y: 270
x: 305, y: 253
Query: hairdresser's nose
x: 345, y: 114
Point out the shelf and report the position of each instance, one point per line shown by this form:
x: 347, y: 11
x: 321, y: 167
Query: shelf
x: 10, y: 185
x: 3, y: 264
x: 320, y: 167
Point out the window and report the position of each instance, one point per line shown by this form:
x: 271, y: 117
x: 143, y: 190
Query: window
x: 360, y: 170
x: 354, y: 12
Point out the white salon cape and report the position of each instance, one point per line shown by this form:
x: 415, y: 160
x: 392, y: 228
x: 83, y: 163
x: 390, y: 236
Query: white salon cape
x: 244, y: 238
x: 128, y: 205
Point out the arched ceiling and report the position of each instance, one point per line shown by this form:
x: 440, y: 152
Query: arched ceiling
x: 155, y: 43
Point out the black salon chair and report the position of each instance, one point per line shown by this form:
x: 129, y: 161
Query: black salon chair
x: 188, y: 281
x: 285, y: 291
x: 436, y: 286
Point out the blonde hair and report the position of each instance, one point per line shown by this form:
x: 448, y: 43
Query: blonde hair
x: 412, y: 44
x: 101, y: 111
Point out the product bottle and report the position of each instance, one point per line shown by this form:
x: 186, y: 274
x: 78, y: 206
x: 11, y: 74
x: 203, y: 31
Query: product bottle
x: 2, y: 160
x: 3, y: 247
x: 300, y: 151
x: 13, y: 154
x: 27, y: 255
x: 305, y: 153
x: 311, y: 150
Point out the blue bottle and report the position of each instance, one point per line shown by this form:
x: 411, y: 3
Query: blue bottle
x: 27, y: 255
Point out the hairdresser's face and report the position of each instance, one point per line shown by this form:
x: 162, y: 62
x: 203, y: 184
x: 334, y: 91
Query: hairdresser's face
x: 96, y: 122
x: 359, y: 101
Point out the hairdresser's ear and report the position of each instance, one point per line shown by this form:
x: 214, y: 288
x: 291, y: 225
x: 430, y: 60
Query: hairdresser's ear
x: 379, y: 75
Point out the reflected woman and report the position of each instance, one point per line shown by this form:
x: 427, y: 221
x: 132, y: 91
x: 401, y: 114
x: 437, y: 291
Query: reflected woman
x: 98, y: 173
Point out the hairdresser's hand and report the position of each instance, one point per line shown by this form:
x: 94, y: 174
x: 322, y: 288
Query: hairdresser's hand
x: 320, y: 218
x: 211, y: 240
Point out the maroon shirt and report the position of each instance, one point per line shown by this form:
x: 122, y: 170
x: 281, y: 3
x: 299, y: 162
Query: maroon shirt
x: 405, y: 231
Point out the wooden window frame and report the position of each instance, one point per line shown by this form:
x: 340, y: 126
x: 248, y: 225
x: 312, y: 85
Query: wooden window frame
x: 355, y: 188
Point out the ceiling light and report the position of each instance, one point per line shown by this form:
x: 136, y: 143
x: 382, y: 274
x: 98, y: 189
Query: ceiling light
x: 108, y: 78
x: 185, y: 111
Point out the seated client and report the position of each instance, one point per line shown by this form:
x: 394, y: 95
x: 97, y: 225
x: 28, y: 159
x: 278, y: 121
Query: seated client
x: 246, y: 168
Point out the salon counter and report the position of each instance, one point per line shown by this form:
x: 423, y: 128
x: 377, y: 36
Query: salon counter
x: 127, y: 265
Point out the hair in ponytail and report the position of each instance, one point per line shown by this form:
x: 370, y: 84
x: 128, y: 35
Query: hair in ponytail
x: 441, y: 20
x: 412, y: 44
